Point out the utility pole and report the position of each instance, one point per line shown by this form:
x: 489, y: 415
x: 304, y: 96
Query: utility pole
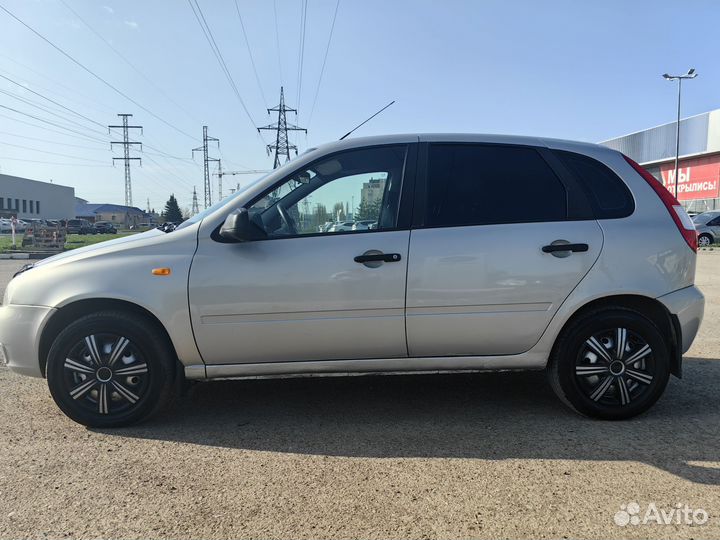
x: 679, y: 78
x: 282, y: 146
x: 206, y: 162
x: 148, y: 205
x: 126, y: 153
x: 219, y: 175
x: 195, y: 208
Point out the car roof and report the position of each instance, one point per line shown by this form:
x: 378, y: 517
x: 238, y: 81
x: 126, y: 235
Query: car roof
x: 559, y: 144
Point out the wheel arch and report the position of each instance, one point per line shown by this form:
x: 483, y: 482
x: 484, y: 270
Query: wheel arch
x: 652, y: 308
x: 78, y: 308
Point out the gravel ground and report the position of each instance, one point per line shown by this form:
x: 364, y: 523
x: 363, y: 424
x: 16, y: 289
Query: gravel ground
x: 482, y: 456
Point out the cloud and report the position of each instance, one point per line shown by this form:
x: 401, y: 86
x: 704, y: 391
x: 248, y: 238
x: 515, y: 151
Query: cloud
x: 132, y: 24
x: 110, y: 10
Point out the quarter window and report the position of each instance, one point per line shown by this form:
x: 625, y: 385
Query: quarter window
x: 476, y: 184
x: 609, y: 196
x: 353, y: 191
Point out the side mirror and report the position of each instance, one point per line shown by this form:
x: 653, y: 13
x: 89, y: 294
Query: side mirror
x: 239, y: 228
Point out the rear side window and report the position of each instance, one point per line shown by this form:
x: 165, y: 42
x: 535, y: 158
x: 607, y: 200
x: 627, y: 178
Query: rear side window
x: 475, y: 184
x: 608, y: 194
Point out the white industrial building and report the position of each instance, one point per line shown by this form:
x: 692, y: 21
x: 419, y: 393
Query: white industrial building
x: 28, y: 199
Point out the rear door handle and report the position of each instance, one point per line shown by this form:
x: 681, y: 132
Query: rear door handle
x: 378, y: 257
x: 552, y: 248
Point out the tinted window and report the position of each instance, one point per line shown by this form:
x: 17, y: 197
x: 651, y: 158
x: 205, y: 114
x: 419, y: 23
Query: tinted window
x: 472, y: 184
x: 608, y: 194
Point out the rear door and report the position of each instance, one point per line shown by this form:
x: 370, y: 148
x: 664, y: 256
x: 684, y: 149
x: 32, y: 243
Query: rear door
x: 485, y: 275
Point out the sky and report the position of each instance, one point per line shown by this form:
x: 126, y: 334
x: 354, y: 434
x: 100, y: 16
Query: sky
x: 585, y: 70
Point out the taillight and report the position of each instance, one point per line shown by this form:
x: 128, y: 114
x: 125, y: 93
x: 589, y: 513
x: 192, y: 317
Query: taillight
x: 683, y: 222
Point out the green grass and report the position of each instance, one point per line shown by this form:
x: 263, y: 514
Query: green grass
x: 72, y: 241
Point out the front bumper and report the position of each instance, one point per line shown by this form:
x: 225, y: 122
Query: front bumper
x: 20, y: 329
x: 688, y: 305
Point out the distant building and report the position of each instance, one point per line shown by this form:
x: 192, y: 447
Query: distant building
x: 31, y: 199
x: 122, y: 216
x: 372, y: 190
x: 699, y: 165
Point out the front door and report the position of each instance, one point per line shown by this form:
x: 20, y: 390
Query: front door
x: 317, y: 287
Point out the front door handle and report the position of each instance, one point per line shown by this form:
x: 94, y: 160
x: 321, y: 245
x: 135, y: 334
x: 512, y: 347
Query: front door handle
x: 378, y: 257
x: 557, y: 246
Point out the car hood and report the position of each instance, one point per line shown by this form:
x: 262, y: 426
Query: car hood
x: 120, y: 243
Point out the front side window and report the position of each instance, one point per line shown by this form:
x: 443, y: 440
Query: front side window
x: 356, y: 190
x: 476, y: 184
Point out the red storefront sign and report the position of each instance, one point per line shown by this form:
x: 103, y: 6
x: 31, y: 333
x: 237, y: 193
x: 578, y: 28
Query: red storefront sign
x: 699, y: 178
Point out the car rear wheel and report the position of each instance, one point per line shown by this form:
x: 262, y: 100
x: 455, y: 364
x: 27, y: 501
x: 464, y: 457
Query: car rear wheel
x: 611, y: 364
x: 704, y: 240
x: 110, y: 369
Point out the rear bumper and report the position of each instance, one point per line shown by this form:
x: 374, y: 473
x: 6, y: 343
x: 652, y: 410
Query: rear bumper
x: 688, y: 305
x: 20, y: 328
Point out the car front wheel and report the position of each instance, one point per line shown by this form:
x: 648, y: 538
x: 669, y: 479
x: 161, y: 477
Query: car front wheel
x: 611, y: 364
x: 110, y: 369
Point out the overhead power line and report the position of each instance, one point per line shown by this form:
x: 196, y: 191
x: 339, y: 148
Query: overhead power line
x: 98, y: 77
x: 128, y: 62
x: 277, y: 41
x: 322, y: 70
x: 51, y: 101
x: 51, y: 153
x: 51, y: 162
x: 301, y: 48
x: 218, y: 55
x: 252, y: 60
x: 79, y: 137
x: 49, y: 141
x: 52, y: 123
x: 49, y: 111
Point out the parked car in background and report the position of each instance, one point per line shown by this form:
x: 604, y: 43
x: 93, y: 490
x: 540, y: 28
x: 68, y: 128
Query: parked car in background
x: 80, y: 226
x: 566, y: 279
x: 363, y: 225
x: 105, y: 227
x: 342, y: 226
x: 708, y: 227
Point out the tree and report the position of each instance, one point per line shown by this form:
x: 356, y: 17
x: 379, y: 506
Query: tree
x: 338, y: 211
x: 172, y: 210
x: 368, y: 210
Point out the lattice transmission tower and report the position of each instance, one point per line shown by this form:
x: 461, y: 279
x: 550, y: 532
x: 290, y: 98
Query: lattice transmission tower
x: 126, y: 143
x: 206, y: 164
x: 195, y: 209
x: 282, y: 146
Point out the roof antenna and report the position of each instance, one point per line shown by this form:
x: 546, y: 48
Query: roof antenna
x: 366, y: 121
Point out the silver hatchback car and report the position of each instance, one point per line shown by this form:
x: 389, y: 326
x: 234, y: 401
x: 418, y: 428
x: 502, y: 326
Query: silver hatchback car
x: 490, y: 253
x: 708, y: 227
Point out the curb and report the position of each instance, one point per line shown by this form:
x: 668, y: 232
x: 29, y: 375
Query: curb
x: 24, y: 256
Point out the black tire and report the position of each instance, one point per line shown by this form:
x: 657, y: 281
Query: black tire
x: 142, y: 384
x: 705, y: 236
x: 585, y: 380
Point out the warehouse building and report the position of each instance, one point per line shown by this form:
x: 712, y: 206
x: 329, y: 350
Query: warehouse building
x: 699, y: 165
x: 121, y: 216
x: 30, y: 199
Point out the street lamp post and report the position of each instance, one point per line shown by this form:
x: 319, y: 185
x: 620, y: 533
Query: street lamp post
x: 679, y: 78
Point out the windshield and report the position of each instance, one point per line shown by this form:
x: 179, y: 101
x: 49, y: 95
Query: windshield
x: 210, y: 209
x: 702, y: 219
